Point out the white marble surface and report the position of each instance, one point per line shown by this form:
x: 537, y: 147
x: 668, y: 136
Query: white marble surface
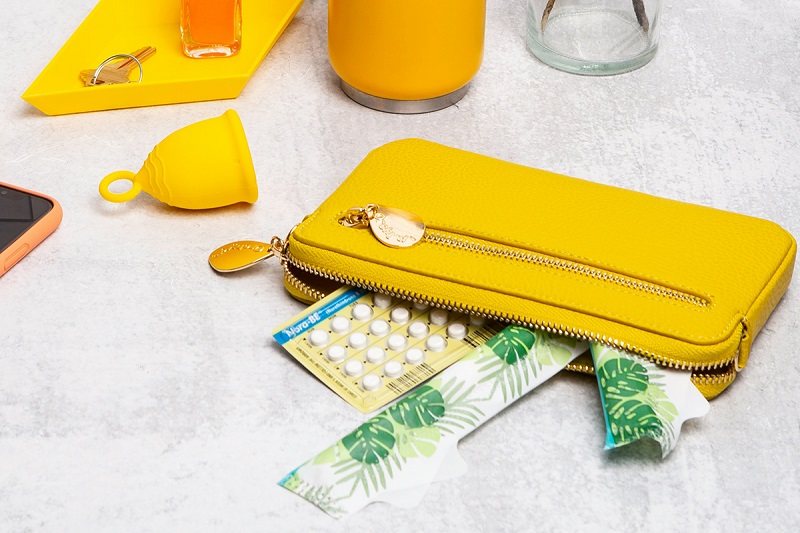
x: 140, y: 391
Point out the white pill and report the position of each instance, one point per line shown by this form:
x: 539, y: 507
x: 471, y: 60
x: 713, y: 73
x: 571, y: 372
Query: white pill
x: 357, y: 340
x: 336, y: 353
x: 419, y: 306
x: 379, y: 328
x: 414, y: 356
x: 376, y: 355
x: 382, y: 301
x: 392, y: 369
x: 353, y: 368
x: 457, y: 330
x: 400, y: 315
x: 477, y: 320
x: 396, y: 342
x: 418, y: 330
x: 362, y: 312
x: 371, y: 382
x: 340, y: 324
x: 439, y: 317
x: 318, y: 337
x: 435, y: 343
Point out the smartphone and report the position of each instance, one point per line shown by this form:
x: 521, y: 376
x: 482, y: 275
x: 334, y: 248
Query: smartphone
x: 26, y: 219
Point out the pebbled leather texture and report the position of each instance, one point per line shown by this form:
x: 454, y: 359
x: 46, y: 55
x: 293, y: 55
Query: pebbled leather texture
x: 660, y: 247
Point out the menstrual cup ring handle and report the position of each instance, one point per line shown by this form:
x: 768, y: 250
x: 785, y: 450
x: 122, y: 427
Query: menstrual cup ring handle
x: 130, y: 194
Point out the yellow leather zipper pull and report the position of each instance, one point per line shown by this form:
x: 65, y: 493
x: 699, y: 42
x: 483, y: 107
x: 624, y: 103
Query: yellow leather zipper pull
x: 393, y: 227
x: 239, y: 255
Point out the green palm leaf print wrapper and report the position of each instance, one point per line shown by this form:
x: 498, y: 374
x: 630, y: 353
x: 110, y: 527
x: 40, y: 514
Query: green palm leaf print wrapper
x: 625, y: 384
x: 641, y: 399
x: 512, y: 344
x: 419, y: 409
x: 516, y: 356
x: 372, y: 441
x: 405, y: 445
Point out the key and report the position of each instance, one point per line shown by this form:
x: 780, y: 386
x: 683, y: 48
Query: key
x: 106, y: 76
x: 116, y: 72
x: 126, y: 66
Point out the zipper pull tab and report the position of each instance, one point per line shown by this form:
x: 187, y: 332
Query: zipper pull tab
x: 393, y: 227
x: 239, y: 255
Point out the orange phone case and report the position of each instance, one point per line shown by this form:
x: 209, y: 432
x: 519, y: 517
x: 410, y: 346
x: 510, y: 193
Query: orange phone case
x: 31, y: 238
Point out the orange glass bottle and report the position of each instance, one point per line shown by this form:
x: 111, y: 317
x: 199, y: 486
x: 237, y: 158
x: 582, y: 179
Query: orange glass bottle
x: 211, y: 28
x: 406, y: 56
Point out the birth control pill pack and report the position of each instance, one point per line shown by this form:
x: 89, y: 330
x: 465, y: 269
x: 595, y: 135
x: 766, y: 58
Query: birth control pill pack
x: 371, y: 348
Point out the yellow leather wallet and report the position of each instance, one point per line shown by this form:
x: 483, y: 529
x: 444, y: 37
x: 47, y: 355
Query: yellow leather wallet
x: 685, y: 286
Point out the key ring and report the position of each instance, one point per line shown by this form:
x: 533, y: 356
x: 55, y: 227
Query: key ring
x: 113, y: 58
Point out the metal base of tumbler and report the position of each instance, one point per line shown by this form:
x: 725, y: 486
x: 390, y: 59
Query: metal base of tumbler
x: 404, y: 107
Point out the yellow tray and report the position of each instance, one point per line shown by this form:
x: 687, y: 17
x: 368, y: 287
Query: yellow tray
x: 119, y: 27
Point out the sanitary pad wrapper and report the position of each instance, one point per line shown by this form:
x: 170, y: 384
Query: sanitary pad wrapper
x: 395, y: 455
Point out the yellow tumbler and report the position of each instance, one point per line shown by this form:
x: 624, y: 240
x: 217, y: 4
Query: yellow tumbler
x: 406, y: 56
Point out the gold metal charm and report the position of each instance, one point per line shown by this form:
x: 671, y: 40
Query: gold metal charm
x: 396, y: 228
x: 393, y: 227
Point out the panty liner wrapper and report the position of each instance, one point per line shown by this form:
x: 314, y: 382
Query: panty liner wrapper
x: 642, y: 399
x: 394, y: 456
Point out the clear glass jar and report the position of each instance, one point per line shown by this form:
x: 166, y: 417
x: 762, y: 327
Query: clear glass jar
x: 406, y: 56
x: 211, y: 28
x: 593, y: 36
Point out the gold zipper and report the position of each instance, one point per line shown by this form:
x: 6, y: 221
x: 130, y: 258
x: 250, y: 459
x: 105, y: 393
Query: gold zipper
x: 722, y: 375
x: 701, y: 374
x: 298, y: 284
x: 289, y: 261
x: 582, y: 364
x: 399, y: 229
x: 717, y: 378
x: 505, y: 252
x: 728, y: 368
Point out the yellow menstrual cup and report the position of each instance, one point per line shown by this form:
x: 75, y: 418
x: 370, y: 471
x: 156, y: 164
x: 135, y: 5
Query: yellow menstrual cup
x: 203, y: 165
